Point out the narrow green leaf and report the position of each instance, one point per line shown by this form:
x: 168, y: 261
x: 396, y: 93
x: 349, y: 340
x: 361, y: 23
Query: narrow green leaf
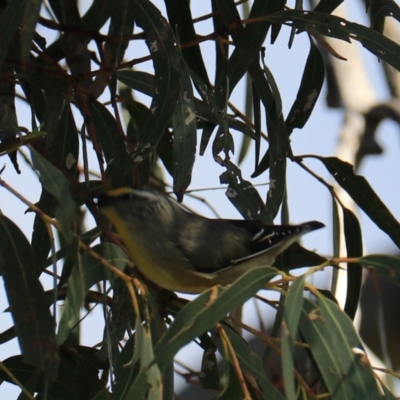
x: 180, y: 16
x: 50, y: 81
x: 294, y: 305
x: 223, y: 143
x: 243, y: 195
x: 250, y: 363
x: 354, y: 246
x: 379, y: 10
x: 29, y: 306
x: 185, y: 136
x: 209, y: 375
x: 208, y: 129
x: 149, y: 377
x: 252, y: 112
x: 126, y: 371
x: 339, y: 28
x: 327, y: 6
x: 65, y: 143
x: 279, y: 146
x: 206, y: 310
x: 275, y: 329
x: 137, y: 80
x: 28, y: 26
x: 77, y: 377
x: 241, y: 127
x: 121, y: 26
x: 85, y: 274
x: 385, y: 265
x: 95, y: 17
x: 10, y: 20
x: 309, y: 90
x: 7, y: 335
x: 204, y: 89
x: 335, y: 345
x: 388, y: 394
x: 278, y: 140
x: 365, y: 197
x: 41, y: 243
x: 112, y: 143
x: 222, y: 11
x: 297, y: 256
x: 231, y: 389
x: 54, y: 108
x: 249, y: 41
x: 335, y: 228
x: 54, y: 181
x: 161, y: 43
x: 292, y: 311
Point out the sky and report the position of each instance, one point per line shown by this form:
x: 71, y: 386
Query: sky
x: 308, y: 200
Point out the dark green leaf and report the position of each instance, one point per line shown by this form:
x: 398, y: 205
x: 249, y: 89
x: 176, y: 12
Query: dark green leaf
x: 29, y: 306
x: 54, y: 181
x: 84, y: 275
x: 327, y: 6
x: 387, y: 266
x: 308, y: 93
x: 335, y: 228
x: 292, y: 311
x: 112, y: 143
x: 161, y: 43
x: 206, y: 310
x: 125, y: 371
x: 41, y: 243
x: 10, y: 20
x: 65, y: 145
x: 121, y: 26
x: 232, y: 389
x: 279, y: 145
x: 208, y: 129
x: 381, y: 9
x: 248, y: 42
x: 209, y: 375
x: 241, y: 127
x: 180, y: 16
x: 251, y: 365
x: 77, y: 376
x: 243, y: 195
x: 354, y: 247
x: 220, y: 12
x: 51, y: 81
x: 339, y: 28
x: 138, y: 80
x: 335, y: 347
x: 7, y: 335
x: 28, y: 26
x: 362, y: 193
x: 149, y: 377
x: 388, y: 394
x: 297, y: 256
x: 185, y: 137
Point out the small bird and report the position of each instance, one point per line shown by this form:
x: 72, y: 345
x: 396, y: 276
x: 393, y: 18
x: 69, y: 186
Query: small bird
x: 185, y: 252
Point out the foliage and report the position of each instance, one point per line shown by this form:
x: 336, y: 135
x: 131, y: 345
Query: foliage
x: 84, y: 105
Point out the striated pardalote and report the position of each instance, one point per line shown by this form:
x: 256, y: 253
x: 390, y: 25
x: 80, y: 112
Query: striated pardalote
x: 184, y: 252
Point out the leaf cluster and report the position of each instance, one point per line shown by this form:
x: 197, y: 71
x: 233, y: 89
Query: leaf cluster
x: 81, y: 90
